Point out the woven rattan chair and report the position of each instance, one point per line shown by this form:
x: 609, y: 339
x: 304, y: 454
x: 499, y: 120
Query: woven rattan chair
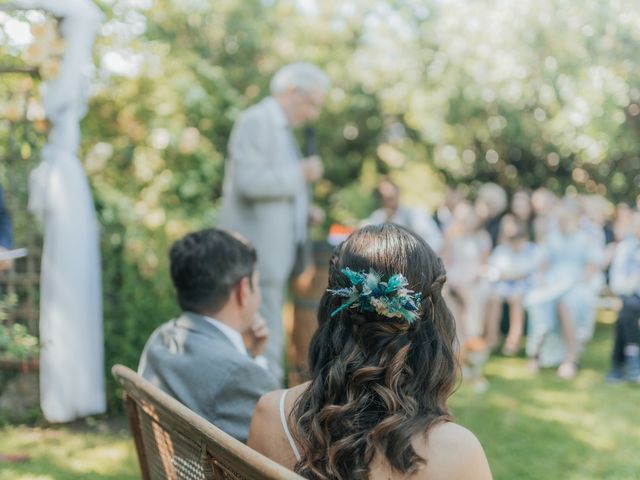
x: 173, y: 442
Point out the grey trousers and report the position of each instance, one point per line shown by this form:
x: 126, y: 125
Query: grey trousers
x: 271, y: 310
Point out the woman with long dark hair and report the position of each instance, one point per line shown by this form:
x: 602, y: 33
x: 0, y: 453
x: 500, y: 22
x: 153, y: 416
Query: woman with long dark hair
x: 382, y: 368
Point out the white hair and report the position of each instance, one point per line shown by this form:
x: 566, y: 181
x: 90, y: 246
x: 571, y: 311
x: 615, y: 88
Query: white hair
x: 300, y: 75
x: 494, y: 195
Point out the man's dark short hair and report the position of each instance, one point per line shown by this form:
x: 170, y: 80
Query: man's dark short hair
x: 207, y: 265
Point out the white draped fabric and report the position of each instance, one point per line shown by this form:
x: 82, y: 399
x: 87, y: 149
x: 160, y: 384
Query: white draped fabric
x: 72, y: 355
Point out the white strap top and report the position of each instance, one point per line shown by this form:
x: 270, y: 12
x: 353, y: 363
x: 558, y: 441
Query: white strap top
x: 285, y: 427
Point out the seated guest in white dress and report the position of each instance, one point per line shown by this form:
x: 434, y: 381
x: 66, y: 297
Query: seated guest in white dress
x: 465, y: 254
x: 209, y: 357
x: 511, y: 265
x: 562, y: 302
x: 522, y: 210
x: 382, y: 368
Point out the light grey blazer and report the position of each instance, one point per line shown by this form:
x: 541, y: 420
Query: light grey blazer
x: 194, y: 362
x: 263, y: 180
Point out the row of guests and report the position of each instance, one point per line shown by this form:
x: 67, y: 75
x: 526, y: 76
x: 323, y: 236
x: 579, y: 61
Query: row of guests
x: 541, y: 254
x: 382, y: 362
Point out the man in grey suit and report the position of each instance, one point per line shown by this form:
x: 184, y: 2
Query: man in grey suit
x: 265, y: 191
x: 209, y: 357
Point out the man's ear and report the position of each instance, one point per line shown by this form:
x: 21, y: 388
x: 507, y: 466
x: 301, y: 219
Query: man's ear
x: 241, y: 292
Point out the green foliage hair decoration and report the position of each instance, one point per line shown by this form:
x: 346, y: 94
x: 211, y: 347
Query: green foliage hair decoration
x: 368, y: 293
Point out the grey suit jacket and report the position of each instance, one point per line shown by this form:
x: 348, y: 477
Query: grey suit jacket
x: 194, y: 362
x: 263, y: 179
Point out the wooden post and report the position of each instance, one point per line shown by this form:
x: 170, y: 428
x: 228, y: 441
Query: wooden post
x: 307, y: 291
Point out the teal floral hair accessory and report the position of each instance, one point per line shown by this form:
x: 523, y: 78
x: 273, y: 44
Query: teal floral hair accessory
x: 368, y: 293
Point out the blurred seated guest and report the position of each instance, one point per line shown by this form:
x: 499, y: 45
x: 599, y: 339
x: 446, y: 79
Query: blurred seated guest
x: 466, y: 251
x: 382, y: 368
x: 544, y: 203
x: 511, y: 265
x: 522, y: 210
x: 622, y: 221
x: 444, y: 213
x: 594, y: 218
x: 490, y: 205
x: 561, y: 303
x: 414, y: 219
x: 208, y: 358
x: 594, y: 222
x: 625, y: 281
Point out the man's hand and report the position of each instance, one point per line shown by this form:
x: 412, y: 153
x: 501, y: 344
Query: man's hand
x: 257, y: 336
x: 312, y: 168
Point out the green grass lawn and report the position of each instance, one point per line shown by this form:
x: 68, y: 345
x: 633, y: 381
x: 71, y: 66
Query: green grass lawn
x: 541, y: 427
x: 532, y: 427
x: 91, y: 449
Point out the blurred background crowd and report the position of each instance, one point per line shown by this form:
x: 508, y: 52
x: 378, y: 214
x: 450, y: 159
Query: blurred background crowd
x: 534, y: 256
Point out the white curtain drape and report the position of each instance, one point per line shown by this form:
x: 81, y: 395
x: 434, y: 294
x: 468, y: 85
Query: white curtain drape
x: 72, y: 355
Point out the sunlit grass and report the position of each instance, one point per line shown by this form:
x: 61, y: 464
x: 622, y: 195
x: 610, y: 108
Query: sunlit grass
x: 61, y: 453
x: 541, y: 427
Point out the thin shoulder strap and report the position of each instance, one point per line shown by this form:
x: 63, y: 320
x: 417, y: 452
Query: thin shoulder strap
x: 285, y: 427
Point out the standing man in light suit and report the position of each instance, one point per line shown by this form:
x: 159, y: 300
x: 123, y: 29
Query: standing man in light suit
x: 265, y: 192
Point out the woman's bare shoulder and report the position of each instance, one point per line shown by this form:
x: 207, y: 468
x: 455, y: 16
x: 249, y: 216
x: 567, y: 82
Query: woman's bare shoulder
x: 266, y: 434
x: 444, y: 434
x: 262, y: 421
x: 268, y: 403
x: 452, y: 452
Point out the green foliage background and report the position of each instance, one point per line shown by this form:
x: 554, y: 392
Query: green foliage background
x: 527, y: 93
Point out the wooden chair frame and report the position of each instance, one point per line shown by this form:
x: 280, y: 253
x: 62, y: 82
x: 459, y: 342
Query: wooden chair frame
x: 160, y: 425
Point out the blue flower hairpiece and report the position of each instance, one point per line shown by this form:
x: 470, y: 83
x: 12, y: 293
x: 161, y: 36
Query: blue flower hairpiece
x: 369, y: 293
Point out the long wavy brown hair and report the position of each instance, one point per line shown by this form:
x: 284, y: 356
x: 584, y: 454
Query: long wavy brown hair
x: 376, y: 382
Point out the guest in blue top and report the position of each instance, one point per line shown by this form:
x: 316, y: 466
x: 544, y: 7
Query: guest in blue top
x: 6, y: 231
